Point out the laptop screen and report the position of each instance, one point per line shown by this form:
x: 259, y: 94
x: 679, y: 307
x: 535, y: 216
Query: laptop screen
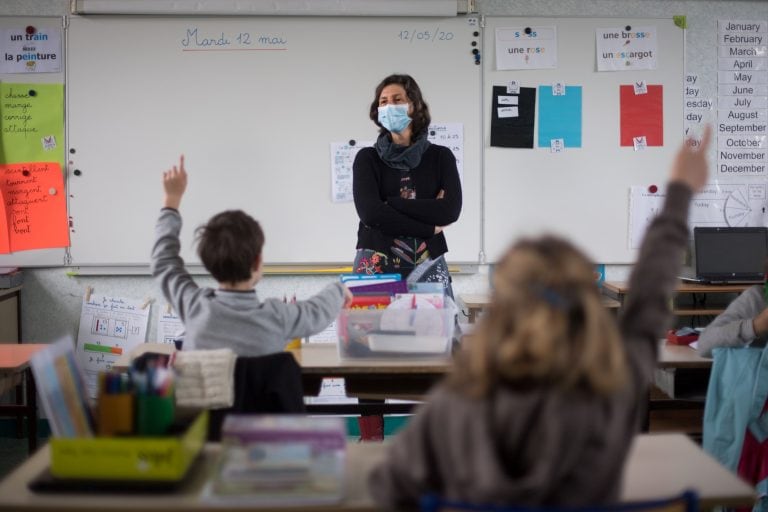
x: 730, y: 255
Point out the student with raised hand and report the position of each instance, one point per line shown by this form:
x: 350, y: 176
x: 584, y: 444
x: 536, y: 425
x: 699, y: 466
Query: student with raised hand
x: 231, y: 316
x: 542, y: 406
x: 744, y: 323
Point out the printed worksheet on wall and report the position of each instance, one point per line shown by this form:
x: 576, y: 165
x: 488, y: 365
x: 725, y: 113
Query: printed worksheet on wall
x: 109, y: 326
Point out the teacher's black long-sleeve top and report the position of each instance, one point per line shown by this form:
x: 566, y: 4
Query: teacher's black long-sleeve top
x: 384, y: 215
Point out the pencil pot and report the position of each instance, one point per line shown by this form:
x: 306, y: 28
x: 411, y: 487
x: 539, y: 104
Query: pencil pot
x: 154, y: 414
x: 115, y: 414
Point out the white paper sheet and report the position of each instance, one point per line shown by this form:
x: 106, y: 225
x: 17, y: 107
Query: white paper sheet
x: 169, y: 326
x: 109, y: 326
x: 450, y: 135
x: 719, y: 204
x: 526, y: 48
x: 342, y: 157
x: 619, y: 49
x: 332, y: 391
x: 24, y: 52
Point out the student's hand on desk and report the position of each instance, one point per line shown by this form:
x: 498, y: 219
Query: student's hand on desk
x: 760, y: 323
x: 175, y: 183
x: 690, y: 166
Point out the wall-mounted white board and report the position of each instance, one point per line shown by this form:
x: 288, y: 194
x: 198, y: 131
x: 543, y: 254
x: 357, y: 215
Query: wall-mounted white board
x: 255, y: 122
x: 582, y: 193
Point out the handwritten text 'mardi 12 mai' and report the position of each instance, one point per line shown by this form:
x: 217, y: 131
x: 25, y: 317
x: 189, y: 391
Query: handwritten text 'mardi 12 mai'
x: 194, y: 39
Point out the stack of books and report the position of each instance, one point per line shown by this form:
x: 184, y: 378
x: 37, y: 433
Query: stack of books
x: 280, y: 460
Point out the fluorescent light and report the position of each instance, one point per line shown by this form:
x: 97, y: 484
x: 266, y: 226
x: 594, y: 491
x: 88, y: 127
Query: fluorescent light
x: 271, y: 7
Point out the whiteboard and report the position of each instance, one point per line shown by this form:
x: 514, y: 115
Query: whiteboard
x: 255, y: 124
x: 581, y: 193
x: 38, y: 257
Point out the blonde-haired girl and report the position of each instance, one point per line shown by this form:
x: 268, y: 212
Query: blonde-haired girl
x: 543, y: 404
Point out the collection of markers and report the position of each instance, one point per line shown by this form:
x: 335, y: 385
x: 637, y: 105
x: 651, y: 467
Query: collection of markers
x: 152, y: 379
x: 139, y: 402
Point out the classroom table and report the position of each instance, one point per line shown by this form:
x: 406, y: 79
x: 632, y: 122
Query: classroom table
x: 658, y: 465
x: 365, y: 377
x: 618, y: 290
x: 385, y: 377
x: 476, y: 302
x: 14, y: 364
x: 677, y: 399
x: 370, y: 379
x: 406, y: 379
x: 681, y: 356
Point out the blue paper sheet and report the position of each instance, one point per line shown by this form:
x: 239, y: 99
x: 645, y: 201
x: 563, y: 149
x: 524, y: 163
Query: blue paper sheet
x: 560, y: 116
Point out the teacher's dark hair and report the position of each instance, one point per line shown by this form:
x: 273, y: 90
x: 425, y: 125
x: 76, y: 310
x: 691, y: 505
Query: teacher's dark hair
x: 420, y: 116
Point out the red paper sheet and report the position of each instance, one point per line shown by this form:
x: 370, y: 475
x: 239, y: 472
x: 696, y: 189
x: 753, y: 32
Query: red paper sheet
x: 642, y: 115
x: 35, y: 205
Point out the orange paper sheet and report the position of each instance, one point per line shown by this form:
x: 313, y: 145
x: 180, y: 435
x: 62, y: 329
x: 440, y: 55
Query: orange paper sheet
x: 35, y: 206
x: 5, y: 245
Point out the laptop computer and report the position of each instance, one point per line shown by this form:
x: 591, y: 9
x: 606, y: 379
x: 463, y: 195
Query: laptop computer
x: 728, y: 255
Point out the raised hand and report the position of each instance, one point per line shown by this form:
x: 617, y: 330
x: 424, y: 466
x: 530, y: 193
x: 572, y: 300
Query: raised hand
x: 174, y: 184
x: 690, y: 166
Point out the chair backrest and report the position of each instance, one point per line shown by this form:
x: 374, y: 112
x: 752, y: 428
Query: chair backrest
x: 263, y: 384
x: 688, y: 501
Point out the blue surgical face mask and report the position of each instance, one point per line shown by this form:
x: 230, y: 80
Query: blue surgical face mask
x: 394, y: 117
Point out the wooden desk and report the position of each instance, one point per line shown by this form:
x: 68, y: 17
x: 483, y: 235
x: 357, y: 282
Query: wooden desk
x: 618, y: 291
x: 476, y: 302
x: 665, y: 464
x: 676, y: 401
x: 10, y: 315
x: 368, y: 378
x: 681, y: 356
x: 14, y: 361
x: 658, y: 465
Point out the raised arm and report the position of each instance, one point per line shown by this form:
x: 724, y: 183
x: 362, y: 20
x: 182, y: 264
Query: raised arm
x: 167, y: 266
x: 315, y: 314
x: 647, y: 313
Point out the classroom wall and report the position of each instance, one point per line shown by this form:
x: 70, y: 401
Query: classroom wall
x: 51, y: 300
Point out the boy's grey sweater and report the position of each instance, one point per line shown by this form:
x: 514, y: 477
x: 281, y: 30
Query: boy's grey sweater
x: 233, y: 319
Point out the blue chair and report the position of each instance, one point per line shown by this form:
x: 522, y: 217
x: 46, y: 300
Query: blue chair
x: 688, y: 501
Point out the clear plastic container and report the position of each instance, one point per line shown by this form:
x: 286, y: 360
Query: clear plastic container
x: 396, y: 333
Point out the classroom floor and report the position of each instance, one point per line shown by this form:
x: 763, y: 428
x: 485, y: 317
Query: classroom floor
x: 13, y: 450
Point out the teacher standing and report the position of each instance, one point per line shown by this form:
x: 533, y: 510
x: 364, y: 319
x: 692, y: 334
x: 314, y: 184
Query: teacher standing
x: 406, y: 189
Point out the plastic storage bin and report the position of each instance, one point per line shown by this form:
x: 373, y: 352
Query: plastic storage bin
x: 396, y: 333
x: 129, y: 458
